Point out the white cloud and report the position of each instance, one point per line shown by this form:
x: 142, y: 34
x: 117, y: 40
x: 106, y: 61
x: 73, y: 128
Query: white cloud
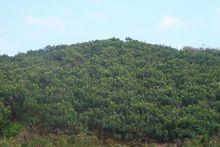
x: 50, y: 22
x: 5, y: 47
x: 3, y: 44
x: 96, y: 1
x: 97, y: 15
x: 217, y: 11
x: 66, y: 12
x: 169, y: 22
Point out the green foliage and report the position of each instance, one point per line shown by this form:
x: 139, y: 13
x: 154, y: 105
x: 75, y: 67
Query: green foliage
x: 12, y: 129
x: 4, y: 117
x: 128, y: 90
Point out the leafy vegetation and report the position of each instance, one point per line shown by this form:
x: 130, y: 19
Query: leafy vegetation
x: 125, y: 90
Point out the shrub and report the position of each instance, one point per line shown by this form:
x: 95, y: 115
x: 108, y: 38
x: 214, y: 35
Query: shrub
x: 12, y: 129
x: 4, y: 117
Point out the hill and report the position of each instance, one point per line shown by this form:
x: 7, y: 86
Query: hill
x: 123, y: 90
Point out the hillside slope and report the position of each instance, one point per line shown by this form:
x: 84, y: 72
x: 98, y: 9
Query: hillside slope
x: 127, y: 90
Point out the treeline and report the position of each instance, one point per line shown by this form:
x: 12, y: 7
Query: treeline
x: 128, y: 90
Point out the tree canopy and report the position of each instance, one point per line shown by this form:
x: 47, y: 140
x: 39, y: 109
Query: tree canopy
x: 125, y: 89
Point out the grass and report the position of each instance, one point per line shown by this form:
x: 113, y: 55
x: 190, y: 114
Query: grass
x: 27, y: 139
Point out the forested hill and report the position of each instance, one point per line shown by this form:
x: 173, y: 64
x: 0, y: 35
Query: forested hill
x: 126, y: 90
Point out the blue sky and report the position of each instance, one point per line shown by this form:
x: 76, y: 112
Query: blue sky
x: 34, y: 24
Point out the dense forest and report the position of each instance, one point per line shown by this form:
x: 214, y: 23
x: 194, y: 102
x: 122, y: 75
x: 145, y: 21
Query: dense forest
x: 127, y: 91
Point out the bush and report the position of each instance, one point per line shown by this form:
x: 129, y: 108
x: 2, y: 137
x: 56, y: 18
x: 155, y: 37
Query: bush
x: 12, y: 130
x: 56, y: 117
x: 4, y: 117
